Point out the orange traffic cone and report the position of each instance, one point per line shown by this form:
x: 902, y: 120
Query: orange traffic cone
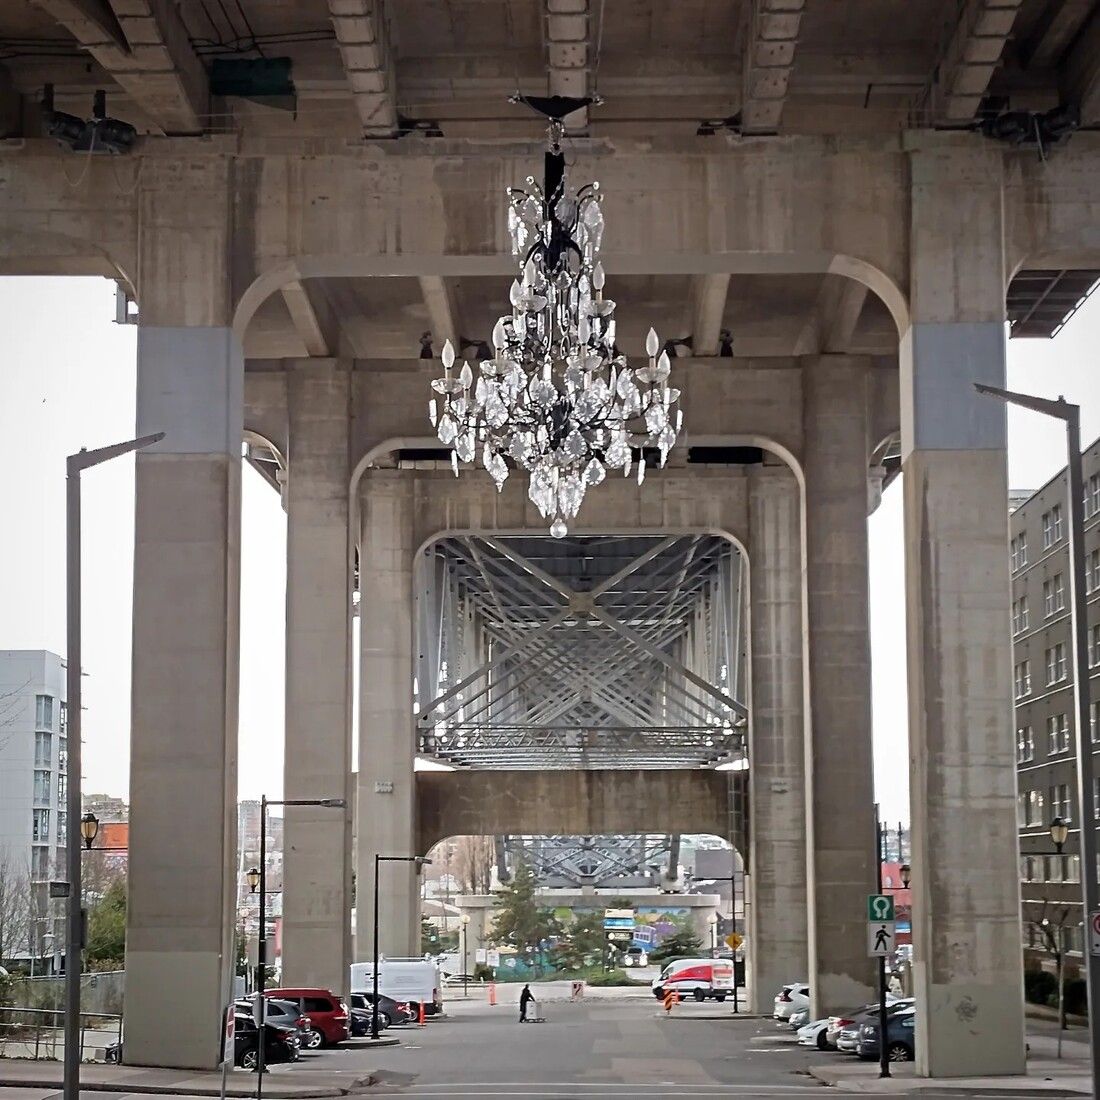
x: 492, y: 993
x: 420, y: 1016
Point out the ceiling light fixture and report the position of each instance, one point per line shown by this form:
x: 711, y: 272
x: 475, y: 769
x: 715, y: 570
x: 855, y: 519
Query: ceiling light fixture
x: 556, y: 398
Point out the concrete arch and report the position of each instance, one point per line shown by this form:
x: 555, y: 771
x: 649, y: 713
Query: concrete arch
x: 49, y: 253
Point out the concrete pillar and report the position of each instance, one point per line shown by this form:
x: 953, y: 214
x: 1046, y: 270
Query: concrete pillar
x: 966, y: 910
x: 776, y: 882
x: 387, y: 737
x: 183, y: 774
x: 317, y: 841
x: 840, y: 772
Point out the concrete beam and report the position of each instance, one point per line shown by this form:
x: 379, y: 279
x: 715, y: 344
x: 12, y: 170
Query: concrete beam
x: 972, y: 55
x: 442, y: 311
x: 146, y: 49
x: 360, y: 27
x: 769, y: 61
x: 1081, y: 72
x: 570, y: 803
x: 567, y: 53
x: 1062, y: 25
x: 832, y: 323
x: 314, y: 318
x: 708, y: 294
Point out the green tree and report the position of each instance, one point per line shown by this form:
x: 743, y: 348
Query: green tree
x: 584, y: 942
x: 681, y: 944
x: 429, y: 937
x: 519, y: 920
x: 106, y: 947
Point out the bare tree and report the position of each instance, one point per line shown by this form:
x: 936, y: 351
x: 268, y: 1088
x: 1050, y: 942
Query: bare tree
x: 16, y: 910
x: 474, y: 863
x: 11, y: 703
x: 1050, y: 920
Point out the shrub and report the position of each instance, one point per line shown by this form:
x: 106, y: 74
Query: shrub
x: 1040, y: 987
x: 1077, y: 998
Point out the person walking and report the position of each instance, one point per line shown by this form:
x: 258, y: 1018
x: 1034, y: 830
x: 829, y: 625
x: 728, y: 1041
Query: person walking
x: 525, y: 998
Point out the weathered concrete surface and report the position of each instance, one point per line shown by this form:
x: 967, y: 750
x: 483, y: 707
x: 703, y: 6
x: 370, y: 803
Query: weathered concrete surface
x: 574, y: 803
x: 966, y: 920
x: 777, y: 895
x: 316, y: 936
x: 841, y: 853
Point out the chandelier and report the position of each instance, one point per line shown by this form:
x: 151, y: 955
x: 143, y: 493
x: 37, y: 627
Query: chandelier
x: 556, y: 398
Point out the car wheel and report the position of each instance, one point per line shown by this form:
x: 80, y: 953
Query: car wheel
x: 699, y: 994
x: 248, y: 1060
x: 384, y: 1020
x: 313, y: 1040
x: 720, y: 997
x: 899, y: 1052
x: 822, y: 1042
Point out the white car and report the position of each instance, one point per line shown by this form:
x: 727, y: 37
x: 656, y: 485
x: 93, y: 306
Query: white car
x: 791, y: 998
x: 813, y: 1034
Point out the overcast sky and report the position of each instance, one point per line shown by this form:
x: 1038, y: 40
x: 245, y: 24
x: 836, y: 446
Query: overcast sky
x: 67, y: 381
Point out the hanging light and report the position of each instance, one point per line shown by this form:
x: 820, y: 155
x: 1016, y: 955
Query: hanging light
x: 89, y: 828
x: 252, y: 877
x: 556, y: 398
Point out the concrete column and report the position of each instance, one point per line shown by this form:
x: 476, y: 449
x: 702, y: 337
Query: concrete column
x: 776, y: 881
x: 966, y: 909
x: 317, y: 841
x: 840, y: 772
x: 183, y: 773
x: 387, y: 737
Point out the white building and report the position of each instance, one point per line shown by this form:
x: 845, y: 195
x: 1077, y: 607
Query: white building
x: 33, y: 757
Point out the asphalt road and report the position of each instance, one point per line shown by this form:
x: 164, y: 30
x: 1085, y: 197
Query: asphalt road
x: 606, y: 1049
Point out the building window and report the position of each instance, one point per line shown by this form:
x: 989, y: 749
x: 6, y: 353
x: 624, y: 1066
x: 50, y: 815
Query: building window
x: 63, y: 719
x: 1092, y: 571
x: 43, y: 712
x: 1025, y: 745
x: 1094, y: 645
x: 62, y: 828
x: 1023, y: 678
x: 1030, y: 808
x: 1019, y: 615
x: 1060, y: 802
x: 62, y: 788
x: 1056, y: 663
x: 1054, y: 595
x: 42, y: 750
x: 1057, y: 734
x: 1092, y: 495
x: 1053, y: 871
x: 40, y: 863
x: 1094, y: 720
x: 1096, y: 797
x: 1052, y: 526
x: 42, y: 786
x: 1019, y: 551
x: 62, y: 754
x: 41, y: 825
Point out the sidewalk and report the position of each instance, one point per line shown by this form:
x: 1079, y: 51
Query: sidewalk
x: 281, y: 1082
x: 1046, y: 1075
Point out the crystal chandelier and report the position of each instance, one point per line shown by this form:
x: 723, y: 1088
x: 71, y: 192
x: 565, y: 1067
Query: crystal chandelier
x: 557, y: 398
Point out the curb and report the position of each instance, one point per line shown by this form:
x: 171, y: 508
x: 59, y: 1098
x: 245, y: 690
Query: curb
x: 238, y: 1091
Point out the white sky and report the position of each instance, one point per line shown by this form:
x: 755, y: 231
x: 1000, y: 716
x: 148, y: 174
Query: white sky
x: 67, y: 381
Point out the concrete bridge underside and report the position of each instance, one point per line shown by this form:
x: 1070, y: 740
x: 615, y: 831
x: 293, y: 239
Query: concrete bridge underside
x: 836, y: 236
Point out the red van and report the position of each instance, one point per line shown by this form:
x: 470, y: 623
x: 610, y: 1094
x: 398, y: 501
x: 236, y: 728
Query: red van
x: 698, y: 978
x: 328, y: 1015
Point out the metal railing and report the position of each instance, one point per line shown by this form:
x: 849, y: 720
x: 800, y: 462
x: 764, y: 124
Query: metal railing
x: 38, y: 1033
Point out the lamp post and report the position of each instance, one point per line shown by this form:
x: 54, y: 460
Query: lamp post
x: 883, y: 1053
x: 465, y: 957
x: 259, y: 876
x: 420, y: 861
x: 712, y: 920
x: 75, y: 465
x: 1070, y: 415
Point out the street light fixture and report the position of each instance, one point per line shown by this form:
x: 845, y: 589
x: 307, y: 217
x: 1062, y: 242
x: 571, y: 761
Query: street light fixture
x: 906, y: 872
x: 89, y: 828
x: 465, y: 957
x: 75, y: 465
x: 252, y: 877
x: 261, y: 946
x: 1070, y: 415
x: 1059, y: 833
x: 420, y: 861
x: 712, y: 920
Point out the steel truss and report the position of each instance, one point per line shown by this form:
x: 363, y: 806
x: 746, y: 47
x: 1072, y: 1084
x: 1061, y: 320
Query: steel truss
x: 586, y: 652
x: 607, y: 862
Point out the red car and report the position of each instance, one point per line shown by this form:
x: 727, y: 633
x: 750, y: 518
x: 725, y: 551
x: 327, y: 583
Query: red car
x: 328, y: 1015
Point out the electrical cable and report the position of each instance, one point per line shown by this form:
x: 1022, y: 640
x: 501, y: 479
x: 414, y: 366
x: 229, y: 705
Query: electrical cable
x: 248, y: 27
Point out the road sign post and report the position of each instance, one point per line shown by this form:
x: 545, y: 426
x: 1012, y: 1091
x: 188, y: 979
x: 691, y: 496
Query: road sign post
x: 1094, y: 932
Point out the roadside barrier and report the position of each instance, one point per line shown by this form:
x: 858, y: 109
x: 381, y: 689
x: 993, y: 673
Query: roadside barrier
x: 671, y: 998
x: 492, y: 993
x: 420, y: 1022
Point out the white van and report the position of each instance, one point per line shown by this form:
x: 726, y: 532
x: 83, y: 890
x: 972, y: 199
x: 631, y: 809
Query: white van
x: 415, y: 980
x: 698, y: 978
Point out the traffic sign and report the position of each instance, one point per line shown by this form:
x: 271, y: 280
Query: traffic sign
x: 880, y: 907
x: 1094, y: 932
x: 734, y: 940
x: 881, y: 939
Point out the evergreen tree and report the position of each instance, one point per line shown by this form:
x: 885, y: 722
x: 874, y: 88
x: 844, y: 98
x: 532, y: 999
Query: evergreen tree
x: 519, y: 921
x: 584, y: 942
x: 106, y: 947
x: 681, y: 944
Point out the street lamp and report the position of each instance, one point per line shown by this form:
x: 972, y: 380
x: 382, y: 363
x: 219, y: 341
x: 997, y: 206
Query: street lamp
x: 906, y: 872
x: 1070, y: 415
x: 261, y: 946
x: 1059, y: 833
x: 89, y: 828
x: 465, y: 957
x: 712, y: 920
x: 420, y: 861
x: 75, y: 465
x: 252, y: 877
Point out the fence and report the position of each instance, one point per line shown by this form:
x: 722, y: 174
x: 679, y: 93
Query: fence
x: 38, y: 1033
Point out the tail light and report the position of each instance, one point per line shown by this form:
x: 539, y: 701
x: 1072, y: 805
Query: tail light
x: 844, y: 1023
x: 343, y: 1007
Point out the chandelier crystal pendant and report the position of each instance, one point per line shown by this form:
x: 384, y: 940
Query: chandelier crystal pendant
x: 557, y: 398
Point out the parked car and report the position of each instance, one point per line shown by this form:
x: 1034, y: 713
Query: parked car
x: 792, y: 997
x: 847, y: 1040
x: 417, y: 981
x: 328, y: 1015
x: 900, y: 1035
x: 279, y: 1013
x: 838, y: 1023
x: 797, y: 1019
x: 813, y: 1034
x: 280, y: 1043
x: 390, y: 1012
x: 635, y: 956
x: 698, y: 978
x: 360, y: 1022
x: 458, y: 979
